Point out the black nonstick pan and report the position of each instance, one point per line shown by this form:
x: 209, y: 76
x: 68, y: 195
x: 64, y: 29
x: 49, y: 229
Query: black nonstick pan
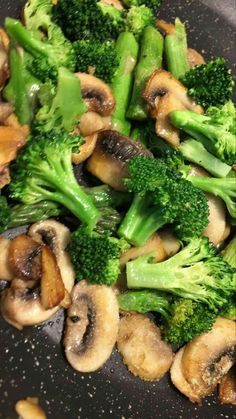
x: 32, y: 361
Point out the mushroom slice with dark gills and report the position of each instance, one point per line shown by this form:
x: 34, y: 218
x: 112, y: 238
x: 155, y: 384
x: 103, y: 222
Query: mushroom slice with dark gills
x: 97, y: 94
x: 144, y: 352
x: 111, y: 155
x: 91, y: 326
x: 227, y: 388
x: 199, y: 366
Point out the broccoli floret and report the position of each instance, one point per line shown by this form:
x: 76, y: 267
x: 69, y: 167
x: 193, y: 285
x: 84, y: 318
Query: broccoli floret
x: 95, y: 257
x: 100, y: 58
x: 161, y: 196
x: 88, y: 20
x: 229, y: 254
x: 4, y: 214
x: 181, y: 319
x: 22, y: 88
x: 151, y: 4
x: 50, y: 52
x: 197, y: 272
x: 215, y: 130
x: 138, y: 18
x: 65, y: 109
x: 43, y: 171
x: 210, y: 84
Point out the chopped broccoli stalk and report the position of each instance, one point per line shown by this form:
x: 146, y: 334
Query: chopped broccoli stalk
x: 161, y: 196
x: 4, y: 214
x: 210, y: 84
x: 22, y: 214
x: 181, y: 319
x: 101, y: 58
x: 95, y: 257
x: 197, y: 272
x: 215, y: 130
x: 150, y: 58
x: 66, y: 108
x: 127, y: 51
x: 151, y: 4
x: 176, y: 50
x: 195, y: 152
x: 43, y: 171
x: 49, y: 53
x: 22, y: 88
x: 88, y: 20
x: 138, y: 17
x: 109, y: 221
x: 105, y: 196
x: 229, y: 253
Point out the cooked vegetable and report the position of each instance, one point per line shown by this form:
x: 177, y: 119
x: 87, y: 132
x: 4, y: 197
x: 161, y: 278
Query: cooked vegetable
x: 25, y: 258
x: 109, y: 221
x: 229, y: 254
x: 161, y: 197
x: 215, y: 130
x: 127, y: 51
x: 209, y: 277
x: 137, y: 18
x: 152, y: 4
x: 176, y: 50
x: 43, y: 171
x: 227, y: 388
x: 4, y: 213
x: 150, y: 58
x: 210, y: 84
x: 95, y: 257
x: 91, y: 326
x: 6, y: 273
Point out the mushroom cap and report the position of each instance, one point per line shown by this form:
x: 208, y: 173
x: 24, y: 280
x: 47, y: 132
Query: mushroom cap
x: 97, y: 94
x: 91, y: 326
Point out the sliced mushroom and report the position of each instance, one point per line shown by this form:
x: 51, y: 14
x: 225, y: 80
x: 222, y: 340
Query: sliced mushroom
x: 5, y: 111
x: 165, y: 27
x: 91, y: 326
x: 165, y: 93
x: 144, y: 353
x: 170, y: 243
x: 24, y: 257
x: 86, y: 149
x: 57, y: 237
x: 194, y: 58
x: 154, y: 244
x: 13, y: 122
x: 11, y: 139
x: 205, y: 360
x: 4, y: 38
x: 227, y: 388
x: 4, y: 176
x: 90, y: 122
x: 3, y: 63
x: 112, y: 152
x: 116, y: 3
x: 6, y: 273
x: 97, y: 94
x: 29, y: 409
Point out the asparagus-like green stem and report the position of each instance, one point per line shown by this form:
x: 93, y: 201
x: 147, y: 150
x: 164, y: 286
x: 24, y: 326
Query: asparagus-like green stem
x: 229, y: 253
x: 127, y: 51
x: 176, y: 50
x: 27, y: 214
x: 105, y: 196
x: 195, y: 152
x: 150, y: 58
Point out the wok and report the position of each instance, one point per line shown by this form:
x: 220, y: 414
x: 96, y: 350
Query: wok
x: 32, y: 360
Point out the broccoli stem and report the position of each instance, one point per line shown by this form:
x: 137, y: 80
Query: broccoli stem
x: 195, y: 152
x: 140, y: 222
x: 27, y: 214
x: 127, y: 51
x: 176, y: 50
x: 229, y: 253
x: 22, y: 88
x: 150, y: 59
x: 105, y: 196
x: 144, y: 301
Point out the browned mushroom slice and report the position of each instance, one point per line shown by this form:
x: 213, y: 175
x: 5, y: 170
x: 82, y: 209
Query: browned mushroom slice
x: 208, y: 357
x: 4, y: 38
x: 90, y: 122
x: 227, y: 388
x: 4, y: 176
x: 144, y: 353
x: 52, y: 286
x: 5, y: 111
x: 109, y: 159
x: 24, y: 257
x: 194, y: 58
x: 91, y: 326
x: 6, y: 272
x: 86, y: 149
x: 30, y: 409
x: 97, y: 94
x: 165, y: 27
x: 11, y: 139
x: 154, y: 244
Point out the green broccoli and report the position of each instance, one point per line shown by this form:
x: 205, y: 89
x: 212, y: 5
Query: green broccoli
x: 181, y: 319
x: 139, y: 18
x: 95, y: 257
x: 109, y: 221
x: 22, y: 88
x: 161, y: 196
x: 151, y: 4
x: 101, y: 58
x: 229, y: 254
x: 197, y: 272
x: 43, y: 171
x: 88, y: 20
x: 210, y: 84
x: 49, y: 53
x: 65, y: 109
x: 4, y: 214
x: 216, y: 130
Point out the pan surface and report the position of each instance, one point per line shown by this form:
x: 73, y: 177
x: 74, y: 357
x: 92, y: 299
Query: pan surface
x: 32, y: 361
